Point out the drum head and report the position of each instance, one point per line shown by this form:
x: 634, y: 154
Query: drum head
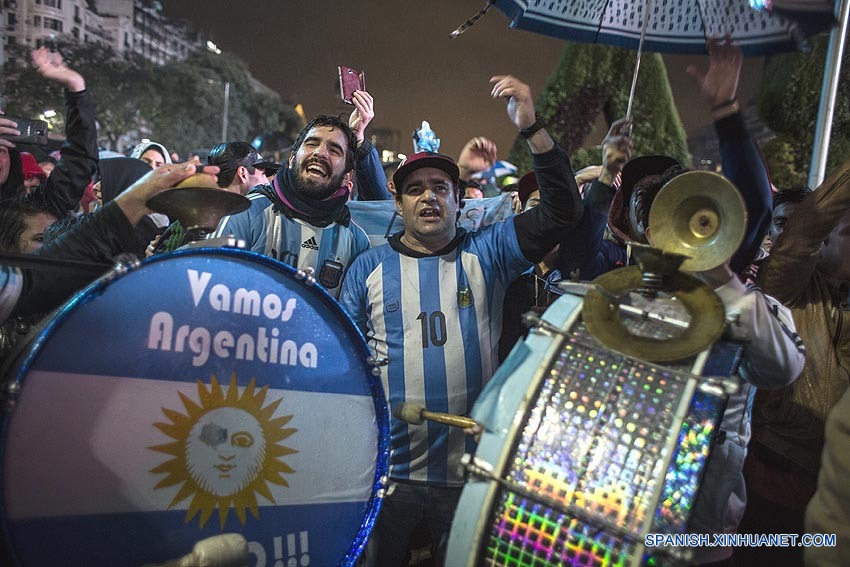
x: 205, y: 392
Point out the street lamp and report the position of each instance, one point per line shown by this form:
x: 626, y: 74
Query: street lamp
x: 226, y: 107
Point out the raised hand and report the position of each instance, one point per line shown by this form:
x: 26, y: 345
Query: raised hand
x: 364, y: 112
x: 51, y: 66
x: 719, y: 85
x: 477, y: 155
x: 616, y: 150
x: 518, y: 97
x: 7, y: 128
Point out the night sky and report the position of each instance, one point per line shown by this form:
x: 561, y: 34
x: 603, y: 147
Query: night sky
x: 414, y: 71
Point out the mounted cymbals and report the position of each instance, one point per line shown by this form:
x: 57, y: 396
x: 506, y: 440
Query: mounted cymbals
x: 603, y: 317
x: 701, y: 215
x: 198, y: 207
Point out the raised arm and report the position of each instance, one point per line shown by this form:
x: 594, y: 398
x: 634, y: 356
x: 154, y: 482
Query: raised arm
x: 98, y: 238
x: 371, y: 180
x: 581, y: 248
x: 742, y: 162
x: 560, y: 208
x: 793, y: 258
x: 78, y: 163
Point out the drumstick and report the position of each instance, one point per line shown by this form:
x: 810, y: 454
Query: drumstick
x: 225, y: 550
x: 415, y: 414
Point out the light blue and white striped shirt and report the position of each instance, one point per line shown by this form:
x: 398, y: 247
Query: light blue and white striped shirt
x: 438, y: 320
x: 294, y: 241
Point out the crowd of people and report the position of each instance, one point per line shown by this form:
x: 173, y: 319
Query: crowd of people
x: 462, y: 292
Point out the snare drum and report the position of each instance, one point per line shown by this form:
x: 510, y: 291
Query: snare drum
x: 585, y: 451
x: 204, y: 392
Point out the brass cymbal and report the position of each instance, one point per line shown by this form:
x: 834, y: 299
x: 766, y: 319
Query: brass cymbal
x: 603, y: 318
x: 198, y: 207
x: 701, y: 215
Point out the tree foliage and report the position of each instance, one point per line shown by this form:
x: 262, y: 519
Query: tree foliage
x: 180, y: 104
x: 191, y: 115
x: 590, y: 79
x: 788, y: 100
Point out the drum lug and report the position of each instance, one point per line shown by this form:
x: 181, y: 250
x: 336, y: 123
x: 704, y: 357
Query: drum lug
x: 381, y: 492
x: 11, y: 394
x: 306, y: 275
x: 377, y: 361
x: 124, y: 263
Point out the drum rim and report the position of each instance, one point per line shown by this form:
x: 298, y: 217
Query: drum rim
x: 21, y: 369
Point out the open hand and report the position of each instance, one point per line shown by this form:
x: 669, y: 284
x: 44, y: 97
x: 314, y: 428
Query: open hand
x: 719, y: 85
x: 518, y: 97
x: 50, y: 65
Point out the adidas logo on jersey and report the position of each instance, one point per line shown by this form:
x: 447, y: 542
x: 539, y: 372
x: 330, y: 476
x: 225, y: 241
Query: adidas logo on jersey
x: 310, y: 243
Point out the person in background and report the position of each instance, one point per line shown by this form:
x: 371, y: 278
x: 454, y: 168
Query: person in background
x: 33, y: 174
x: 808, y: 270
x: 152, y: 153
x: 62, y: 190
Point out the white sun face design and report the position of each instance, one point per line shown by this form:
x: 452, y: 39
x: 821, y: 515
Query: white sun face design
x: 225, y: 451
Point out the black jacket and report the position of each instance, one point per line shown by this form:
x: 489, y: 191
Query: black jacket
x: 64, y: 188
x: 99, y: 237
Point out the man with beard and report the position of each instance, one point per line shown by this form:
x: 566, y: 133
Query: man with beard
x: 302, y: 218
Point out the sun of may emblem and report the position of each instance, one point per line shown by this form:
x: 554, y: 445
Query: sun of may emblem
x: 225, y: 451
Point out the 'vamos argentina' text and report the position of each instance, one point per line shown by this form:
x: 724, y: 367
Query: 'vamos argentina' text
x: 264, y: 345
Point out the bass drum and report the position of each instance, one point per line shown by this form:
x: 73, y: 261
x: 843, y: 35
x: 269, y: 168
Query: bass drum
x: 204, y: 392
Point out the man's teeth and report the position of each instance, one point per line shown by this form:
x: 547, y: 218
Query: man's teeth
x: 315, y: 169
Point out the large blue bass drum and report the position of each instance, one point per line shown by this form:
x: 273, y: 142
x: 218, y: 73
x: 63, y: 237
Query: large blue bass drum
x: 204, y: 392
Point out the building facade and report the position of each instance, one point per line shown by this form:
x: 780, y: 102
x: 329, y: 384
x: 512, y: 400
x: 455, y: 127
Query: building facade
x: 127, y: 26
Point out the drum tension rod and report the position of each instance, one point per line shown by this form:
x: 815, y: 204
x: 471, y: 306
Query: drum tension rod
x: 532, y: 320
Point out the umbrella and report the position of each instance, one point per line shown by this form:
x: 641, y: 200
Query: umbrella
x: 674, y: 26
x: 683, y: 26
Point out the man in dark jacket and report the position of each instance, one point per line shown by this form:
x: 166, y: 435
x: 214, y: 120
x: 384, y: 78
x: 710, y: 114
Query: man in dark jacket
x: 65, y: 186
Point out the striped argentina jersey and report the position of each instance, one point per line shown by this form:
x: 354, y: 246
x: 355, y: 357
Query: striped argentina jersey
x: 294, y: 241
x: 438, y: 320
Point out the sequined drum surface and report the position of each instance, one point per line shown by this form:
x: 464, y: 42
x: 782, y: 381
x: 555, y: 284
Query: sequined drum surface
x: 608, y: 449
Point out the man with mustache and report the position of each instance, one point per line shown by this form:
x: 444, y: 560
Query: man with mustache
x: 430, y: 301
x: 302, y: 218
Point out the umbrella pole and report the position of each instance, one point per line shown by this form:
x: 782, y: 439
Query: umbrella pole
x: 637, y: 60
x: 829, y: 92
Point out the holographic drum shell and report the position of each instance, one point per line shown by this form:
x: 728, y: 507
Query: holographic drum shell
x: 584, y: 452
x: 203, y: 392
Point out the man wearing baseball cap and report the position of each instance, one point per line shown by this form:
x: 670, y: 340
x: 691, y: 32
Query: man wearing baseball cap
x: 430, y: 301
x: 242, y: 166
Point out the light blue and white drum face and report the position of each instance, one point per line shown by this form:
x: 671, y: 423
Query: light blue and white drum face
x: 200, y: 394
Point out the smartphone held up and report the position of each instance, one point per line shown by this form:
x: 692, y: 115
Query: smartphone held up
x: 350, y: 80
x: 31, y: 131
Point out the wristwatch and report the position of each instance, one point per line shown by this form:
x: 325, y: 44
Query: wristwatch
x: 531, y: 130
